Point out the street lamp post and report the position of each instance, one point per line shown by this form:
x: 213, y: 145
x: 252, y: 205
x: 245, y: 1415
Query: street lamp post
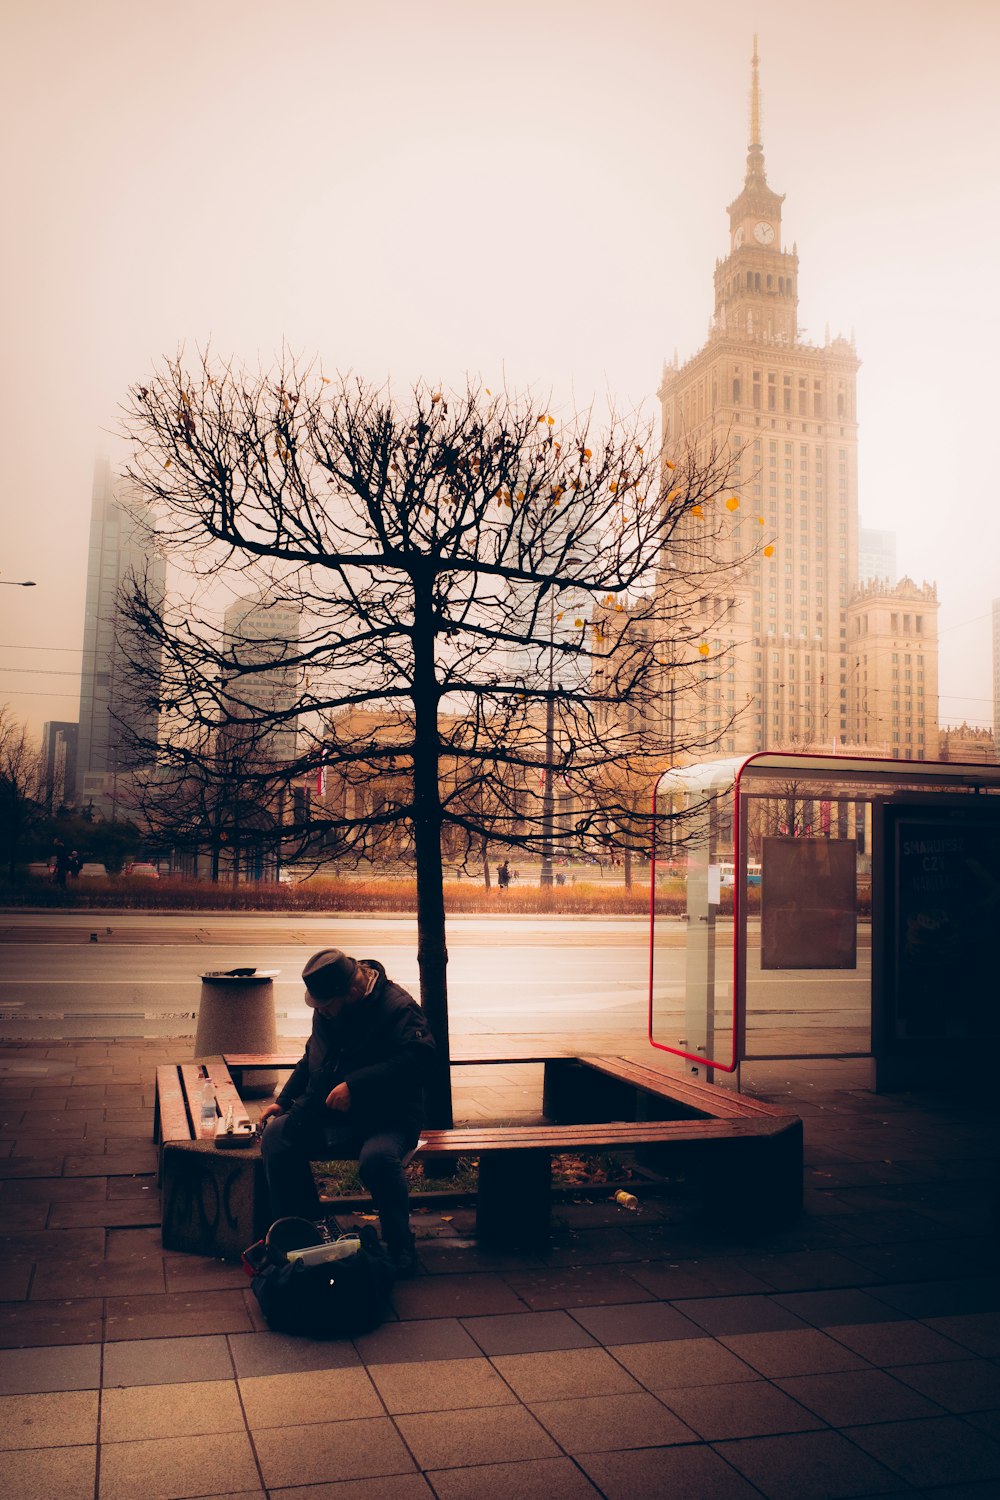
x: 548, y: 792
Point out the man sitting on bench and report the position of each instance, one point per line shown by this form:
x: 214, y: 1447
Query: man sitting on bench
x: 357, y: 1091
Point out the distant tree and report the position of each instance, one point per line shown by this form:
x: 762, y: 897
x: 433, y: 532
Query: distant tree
x: 21, y: 789
x: 102, y: 841
x: 446, y: 556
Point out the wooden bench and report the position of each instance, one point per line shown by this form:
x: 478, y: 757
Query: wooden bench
x: 215, y: 1201
x: 749, y: 1153
x: 750, y: 1163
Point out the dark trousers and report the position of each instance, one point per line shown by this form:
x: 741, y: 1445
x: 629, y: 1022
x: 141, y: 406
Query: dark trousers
x: 290, y: 1142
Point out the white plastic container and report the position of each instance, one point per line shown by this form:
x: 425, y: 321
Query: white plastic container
x: 317, y: 1255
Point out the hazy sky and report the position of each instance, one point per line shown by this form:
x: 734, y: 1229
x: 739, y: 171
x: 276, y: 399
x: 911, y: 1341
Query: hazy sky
x: 535, y: 191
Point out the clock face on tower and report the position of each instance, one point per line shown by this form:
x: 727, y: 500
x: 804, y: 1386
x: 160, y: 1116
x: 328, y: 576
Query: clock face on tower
x: 763, y: 233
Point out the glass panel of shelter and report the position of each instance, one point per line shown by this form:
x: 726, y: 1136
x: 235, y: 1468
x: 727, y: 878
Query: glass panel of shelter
x: 804, y: 944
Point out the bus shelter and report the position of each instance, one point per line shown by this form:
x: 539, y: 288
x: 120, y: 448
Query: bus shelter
x: 811, y: 906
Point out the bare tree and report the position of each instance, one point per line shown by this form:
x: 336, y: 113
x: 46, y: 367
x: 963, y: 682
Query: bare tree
x: 22, y: 788
x: 445, y: 558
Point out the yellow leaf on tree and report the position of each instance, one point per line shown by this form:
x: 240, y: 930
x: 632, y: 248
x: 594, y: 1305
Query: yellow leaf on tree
x: 578, y: 624
x: 768, y: 551
x: 670, y: 465
x: 560, y: 615
x: 696, y: 510
x: 168, y: 463
x: 703, y: 649
x: 540, y: 419
x: 673, y: 495
x: 733, y: 503
x: 587, y: 453
x: 435, y: 398
x: 613, y: 487
x: 520, y: 494
x: 488, y: 391
x: 551, y: 421
x: 760, y: 520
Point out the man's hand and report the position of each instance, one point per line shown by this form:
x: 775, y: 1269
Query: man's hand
x: 270, y: 1112
x: 339, y: 1098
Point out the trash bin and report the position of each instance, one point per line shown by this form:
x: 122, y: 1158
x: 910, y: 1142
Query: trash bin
x: 236, y: 1014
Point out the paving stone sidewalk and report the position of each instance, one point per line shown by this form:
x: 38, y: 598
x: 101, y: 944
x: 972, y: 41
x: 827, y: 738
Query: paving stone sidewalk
x: 855, y: 1353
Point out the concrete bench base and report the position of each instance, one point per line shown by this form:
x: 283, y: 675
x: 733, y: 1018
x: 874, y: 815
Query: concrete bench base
x: 214, y: 1202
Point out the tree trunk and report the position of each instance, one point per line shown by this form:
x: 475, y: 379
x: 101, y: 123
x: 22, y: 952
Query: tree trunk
x: 432, y: 951
x: 486, y: 864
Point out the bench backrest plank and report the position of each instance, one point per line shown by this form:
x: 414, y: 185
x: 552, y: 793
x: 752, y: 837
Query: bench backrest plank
x: 173, y: 1121
x: 192, y: 1081
x: 268, y: 1060
x: 716, y: 1102
x: 263, y: 1060
x: 610, y: 1133
x: 225, y: 1093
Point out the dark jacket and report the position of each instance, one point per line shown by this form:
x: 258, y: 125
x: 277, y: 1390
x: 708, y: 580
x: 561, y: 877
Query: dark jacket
x: 381, y: 1047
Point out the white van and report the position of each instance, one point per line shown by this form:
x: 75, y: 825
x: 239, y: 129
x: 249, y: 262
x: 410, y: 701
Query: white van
x: 728, y: 876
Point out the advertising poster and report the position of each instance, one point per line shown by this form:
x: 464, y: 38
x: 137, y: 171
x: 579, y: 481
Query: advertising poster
x: 809, y: 905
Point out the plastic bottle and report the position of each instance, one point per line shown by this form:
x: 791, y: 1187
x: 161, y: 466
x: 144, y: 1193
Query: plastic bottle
x: 626, y: 1200
x: 208, y: 1115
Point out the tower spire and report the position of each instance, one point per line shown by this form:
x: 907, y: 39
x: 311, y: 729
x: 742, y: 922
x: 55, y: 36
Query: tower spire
x: 755, y: 139
x: 755, y: 154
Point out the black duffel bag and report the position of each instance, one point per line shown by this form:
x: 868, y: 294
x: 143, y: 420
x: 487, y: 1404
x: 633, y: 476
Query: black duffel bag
x: 323, y: 1298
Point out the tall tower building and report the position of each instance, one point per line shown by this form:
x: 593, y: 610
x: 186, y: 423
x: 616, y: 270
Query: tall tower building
x: 996, y: 672
x: 876, y: 555
x: 111, y: 714
x: 259, y: 635
x: 59, y: 740
x: 783, y: 409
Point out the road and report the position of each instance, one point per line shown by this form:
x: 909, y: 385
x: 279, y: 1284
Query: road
x: 137, y: 974
x: 141, y: 975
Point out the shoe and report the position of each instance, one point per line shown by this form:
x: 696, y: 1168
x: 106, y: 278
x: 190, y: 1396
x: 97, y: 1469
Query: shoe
x: 404, y: 1260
